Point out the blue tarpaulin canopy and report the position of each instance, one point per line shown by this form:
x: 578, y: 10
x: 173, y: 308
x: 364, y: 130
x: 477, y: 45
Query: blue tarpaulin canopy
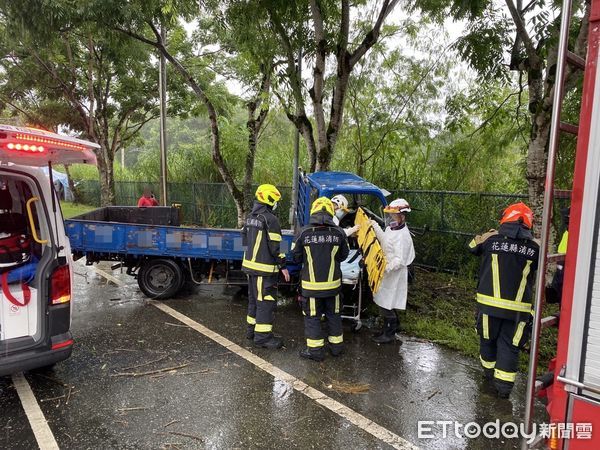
x: 61, y: 184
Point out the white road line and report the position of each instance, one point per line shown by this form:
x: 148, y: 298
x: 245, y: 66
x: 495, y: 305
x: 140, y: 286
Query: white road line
x: 39, y: 425
x: 338, y: 408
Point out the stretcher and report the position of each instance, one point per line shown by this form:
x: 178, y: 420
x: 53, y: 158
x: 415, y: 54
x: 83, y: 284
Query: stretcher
x: 352, y: 280
x: 370, y: 257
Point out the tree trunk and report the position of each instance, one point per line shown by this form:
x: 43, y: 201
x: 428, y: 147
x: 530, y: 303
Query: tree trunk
x: 251, y: 126
x: 107, y: 180
x: 72, y: 187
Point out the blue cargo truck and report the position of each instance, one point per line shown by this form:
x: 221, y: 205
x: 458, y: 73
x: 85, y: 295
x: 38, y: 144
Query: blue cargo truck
x: 163, y: 256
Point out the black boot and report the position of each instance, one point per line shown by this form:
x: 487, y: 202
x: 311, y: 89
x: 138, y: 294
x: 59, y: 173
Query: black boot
x: 503, y: 388
x: 315, y: 355
x: 250, y: 332
x: 274, y: 342
x: 488, y: 374
x: 389, y: 332
x: 336, y: 349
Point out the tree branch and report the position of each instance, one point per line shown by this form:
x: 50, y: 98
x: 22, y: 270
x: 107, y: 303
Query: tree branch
x: 522, y: 31
x: 371, y: 37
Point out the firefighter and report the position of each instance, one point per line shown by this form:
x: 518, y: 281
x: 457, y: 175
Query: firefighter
x: 340, y: 210
x: 554, y: 290
x: 399, y: 251
x: 262, y: 262
x: 320, y: 248
x: 509, y: 258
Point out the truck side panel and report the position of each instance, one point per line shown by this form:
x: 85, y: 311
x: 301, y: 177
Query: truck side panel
x: 145, y: 240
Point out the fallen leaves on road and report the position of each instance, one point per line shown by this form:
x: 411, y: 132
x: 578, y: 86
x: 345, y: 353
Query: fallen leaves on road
x: 348, y: 388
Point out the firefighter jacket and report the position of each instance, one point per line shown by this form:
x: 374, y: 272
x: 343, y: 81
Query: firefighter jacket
x: 320, y: 248
x: 261, y: 235
x: 509, y: 259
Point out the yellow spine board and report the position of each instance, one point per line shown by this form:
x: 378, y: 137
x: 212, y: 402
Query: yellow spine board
x: 373, y: 255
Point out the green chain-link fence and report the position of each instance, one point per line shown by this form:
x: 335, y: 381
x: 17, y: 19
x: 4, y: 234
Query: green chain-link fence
x: 452, y: 217
x: 203, y: 204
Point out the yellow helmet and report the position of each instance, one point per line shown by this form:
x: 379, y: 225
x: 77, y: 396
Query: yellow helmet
x: 322, y: 204
x: 267, y: 194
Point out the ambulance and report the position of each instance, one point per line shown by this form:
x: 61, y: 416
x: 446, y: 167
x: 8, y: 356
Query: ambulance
x: 36, y: 268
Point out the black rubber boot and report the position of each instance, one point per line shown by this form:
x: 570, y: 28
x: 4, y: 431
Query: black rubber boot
x: 273, y: 343
x: 250, y: 332
x: 315, y: 355
x: 488, y: 374
x: 389, y: 332
x: 337, y: 349
x: 503, y: 388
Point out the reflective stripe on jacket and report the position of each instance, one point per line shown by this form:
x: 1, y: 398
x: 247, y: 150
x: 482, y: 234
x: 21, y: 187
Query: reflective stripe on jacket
x: 320, y: 248
x: 509, y: 259
x: 262, y: 237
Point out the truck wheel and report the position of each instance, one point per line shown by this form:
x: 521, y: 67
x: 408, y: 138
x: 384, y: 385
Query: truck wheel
x: 160, y: 278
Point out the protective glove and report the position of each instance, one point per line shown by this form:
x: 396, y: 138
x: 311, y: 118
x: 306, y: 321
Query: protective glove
x: 374, y: 223
x: 350, y: 231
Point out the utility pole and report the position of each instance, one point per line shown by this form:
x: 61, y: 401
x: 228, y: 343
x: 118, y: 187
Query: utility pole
x: 296, y: 155
x: 162, y: 81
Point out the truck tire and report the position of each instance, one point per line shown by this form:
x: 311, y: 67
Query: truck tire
x: 160, y: 278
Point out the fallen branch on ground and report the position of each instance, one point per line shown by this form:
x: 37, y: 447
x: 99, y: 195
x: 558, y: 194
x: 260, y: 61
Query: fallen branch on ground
x: 56, y: 398
x: 177, y: 433
x: 191, y: 436
x: 176, y: 325
x: 151, y: 372
x: 145, y: 364
x: 134, y: 408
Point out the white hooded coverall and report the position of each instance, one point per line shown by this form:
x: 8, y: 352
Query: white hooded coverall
x: 399, y: 253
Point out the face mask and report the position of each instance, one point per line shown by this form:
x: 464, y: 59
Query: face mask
x: 274, y: 206
x: 393, y: 222
x: 339, y: 213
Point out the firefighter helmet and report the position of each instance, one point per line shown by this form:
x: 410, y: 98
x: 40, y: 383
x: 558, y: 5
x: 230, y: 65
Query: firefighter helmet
x: 268, y: 194
x: 339, y: 201
x: 322, y: 204
x: 398, y: 206
x: 518, y: 212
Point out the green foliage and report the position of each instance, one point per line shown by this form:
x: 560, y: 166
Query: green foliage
x: 74, y: 209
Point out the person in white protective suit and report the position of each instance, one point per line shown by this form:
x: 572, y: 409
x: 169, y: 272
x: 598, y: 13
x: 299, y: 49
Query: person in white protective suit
x: 340, y: 205
x: 399, y: 251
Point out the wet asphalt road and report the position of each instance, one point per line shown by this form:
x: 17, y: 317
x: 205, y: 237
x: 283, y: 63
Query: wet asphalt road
x: 216, y: 399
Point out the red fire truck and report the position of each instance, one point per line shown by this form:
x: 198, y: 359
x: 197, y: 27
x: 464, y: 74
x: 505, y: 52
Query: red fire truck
x: 574, y: 396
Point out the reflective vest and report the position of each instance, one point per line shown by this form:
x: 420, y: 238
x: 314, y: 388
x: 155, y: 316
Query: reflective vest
x: 507, y: 272
x: 320, y: 248
x: 261, y: 236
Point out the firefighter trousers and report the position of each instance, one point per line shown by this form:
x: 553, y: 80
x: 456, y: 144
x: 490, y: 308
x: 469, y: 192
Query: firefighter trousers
x: 262, y: 302
x: 499, y: 344
x: 313, y: 310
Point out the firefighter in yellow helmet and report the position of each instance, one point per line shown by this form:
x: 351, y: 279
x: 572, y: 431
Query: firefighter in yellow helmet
x: 320, y: 248
x: 261, y: 235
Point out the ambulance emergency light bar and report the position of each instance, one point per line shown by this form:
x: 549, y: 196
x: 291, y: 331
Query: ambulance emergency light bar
x: 35, y: 147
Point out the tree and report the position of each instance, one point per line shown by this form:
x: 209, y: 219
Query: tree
x: 332, y: 36
x: 61, y: 71
x: 142, y: 21
x: 528, y: 36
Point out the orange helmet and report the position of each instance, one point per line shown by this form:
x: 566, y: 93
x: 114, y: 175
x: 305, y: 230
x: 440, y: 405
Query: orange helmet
x: 518, y: 212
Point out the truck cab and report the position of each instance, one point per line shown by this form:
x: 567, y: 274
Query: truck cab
x: 35, y: 255
x: 358, y: 191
